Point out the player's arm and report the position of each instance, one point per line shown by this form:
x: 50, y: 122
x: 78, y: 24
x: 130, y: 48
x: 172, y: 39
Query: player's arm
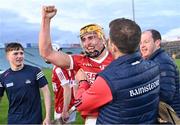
x: 45, y: 48
x: 74, y: 82
x: 75, y: 88
x: 47, y: 102
x: 63, y: 77
x: 43, y: 85
x: 67, y: 99
x: 87, y: 96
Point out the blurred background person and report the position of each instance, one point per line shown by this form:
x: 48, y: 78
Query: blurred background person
x: 62, y: 82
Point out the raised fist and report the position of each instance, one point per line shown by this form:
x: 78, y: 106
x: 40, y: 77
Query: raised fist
x: 48, y: 12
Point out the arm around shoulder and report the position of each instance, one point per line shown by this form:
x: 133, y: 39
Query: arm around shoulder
x: 99, y: 90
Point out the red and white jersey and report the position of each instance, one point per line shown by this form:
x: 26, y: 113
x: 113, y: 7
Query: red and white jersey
x: 89, y: 65
x: 61, y: 77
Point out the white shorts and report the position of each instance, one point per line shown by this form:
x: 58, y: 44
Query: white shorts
x: 72, y: 116
x: 90, y: 120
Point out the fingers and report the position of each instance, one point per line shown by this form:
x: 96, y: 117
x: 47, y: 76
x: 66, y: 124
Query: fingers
x: 49, y: 8
x: 65, y: 119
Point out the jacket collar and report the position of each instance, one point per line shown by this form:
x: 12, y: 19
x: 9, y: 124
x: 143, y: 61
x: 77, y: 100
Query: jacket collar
x: 157, y: 52
x: 129, y: 58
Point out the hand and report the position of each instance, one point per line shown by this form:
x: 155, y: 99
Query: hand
x: 47, y: 121
x: 48, y: 12
x: 65, y: 116
x: 80, y: 75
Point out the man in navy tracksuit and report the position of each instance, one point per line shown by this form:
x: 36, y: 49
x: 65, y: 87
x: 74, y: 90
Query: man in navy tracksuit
x: 22, y: 84
x: 169, y: 76
x: 127, y: 91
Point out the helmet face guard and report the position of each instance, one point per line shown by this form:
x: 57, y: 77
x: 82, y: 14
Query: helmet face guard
x: 94, y: 54
x: 93, y: 28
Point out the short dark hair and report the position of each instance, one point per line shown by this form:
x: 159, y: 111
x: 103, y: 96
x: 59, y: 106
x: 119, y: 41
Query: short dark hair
x: 155, y: 34
x: 125, y: 34
x: 13, y: 46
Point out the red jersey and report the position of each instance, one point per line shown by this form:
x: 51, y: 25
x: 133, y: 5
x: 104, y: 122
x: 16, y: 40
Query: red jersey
x: 91, y: 67
x: 61, y: 77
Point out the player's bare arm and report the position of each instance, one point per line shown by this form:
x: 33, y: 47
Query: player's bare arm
x: 67, y: 100
x: 47, y: 102
x: 45, y: 48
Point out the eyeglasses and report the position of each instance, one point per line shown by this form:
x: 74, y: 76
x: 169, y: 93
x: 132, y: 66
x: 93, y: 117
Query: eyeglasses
x: 91, y: 28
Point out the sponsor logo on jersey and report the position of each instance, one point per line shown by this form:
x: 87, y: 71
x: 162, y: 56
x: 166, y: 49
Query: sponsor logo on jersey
x: 28, y: 81
x: 9, y: 84
x: 87, y: 64
x: 91, y: 76
x: 97, y: 66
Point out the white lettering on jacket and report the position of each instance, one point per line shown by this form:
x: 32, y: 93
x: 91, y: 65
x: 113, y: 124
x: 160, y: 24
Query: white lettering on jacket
x: 144, y: 89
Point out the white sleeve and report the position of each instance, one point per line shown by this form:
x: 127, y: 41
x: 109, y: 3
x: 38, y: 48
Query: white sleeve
x: 62, y: 78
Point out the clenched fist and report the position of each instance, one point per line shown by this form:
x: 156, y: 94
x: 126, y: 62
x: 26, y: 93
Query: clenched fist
x: 48, y: 12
